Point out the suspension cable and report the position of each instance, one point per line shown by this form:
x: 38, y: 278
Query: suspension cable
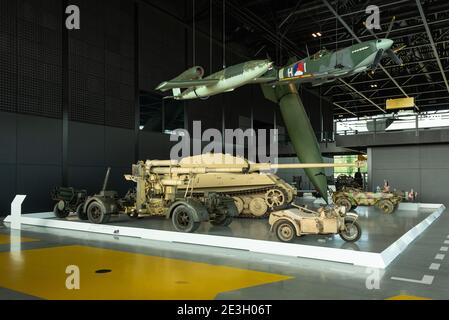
x: 210, y: 35
x: 194, y: 35
x: 224, y: 34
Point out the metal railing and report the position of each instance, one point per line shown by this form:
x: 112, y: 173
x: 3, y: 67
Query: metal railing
x: 393, y: 123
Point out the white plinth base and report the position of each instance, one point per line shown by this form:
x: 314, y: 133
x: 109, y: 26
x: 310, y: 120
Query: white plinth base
x: 359, y: 258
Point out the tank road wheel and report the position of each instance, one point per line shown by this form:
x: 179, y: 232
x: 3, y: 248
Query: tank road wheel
x: 275, y: 198
x: 344, y: 202
x: 258, y: 207
x: 352, y: 231
x: 80, y: 212
x: 285, y: 231
x: 386, y: 206
x: 221, y: 221
x: 239, y: 204
x: 96, y: 214
x: 183, y: 219
x: 60, y: 210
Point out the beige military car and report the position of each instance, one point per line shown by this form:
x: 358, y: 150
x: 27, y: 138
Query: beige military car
x: 298, y: 221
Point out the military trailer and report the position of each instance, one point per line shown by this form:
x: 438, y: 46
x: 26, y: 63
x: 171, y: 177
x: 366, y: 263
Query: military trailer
x: 69, y: 200
x: 300, y: 221
x: 351, y: 198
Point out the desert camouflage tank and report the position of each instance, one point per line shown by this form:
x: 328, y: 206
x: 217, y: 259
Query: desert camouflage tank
x: 256, y: 191
x: 255, y: 194
x: 351, y: 198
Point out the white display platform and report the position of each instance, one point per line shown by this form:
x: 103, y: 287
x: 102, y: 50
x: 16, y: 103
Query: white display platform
x: 359, y: 258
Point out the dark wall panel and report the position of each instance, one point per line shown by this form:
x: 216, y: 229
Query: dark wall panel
x: 8, y: 189
x: 36, y: 181
x: 101, y: 64
x: 8, y: 143
x: 162, y: 47
x: 119, y: 147
x: 89, y: 178
x: 154, y: 146
x: 39, y: 54
x: 8, y: 56
x: 39, y: 140
x: 86, y: 144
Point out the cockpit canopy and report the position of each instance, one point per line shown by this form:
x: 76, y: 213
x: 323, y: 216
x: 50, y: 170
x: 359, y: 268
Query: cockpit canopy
x: 320, y: 54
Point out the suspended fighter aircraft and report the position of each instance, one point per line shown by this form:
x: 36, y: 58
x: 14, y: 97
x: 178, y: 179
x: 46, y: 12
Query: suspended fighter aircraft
x: 280, y: 86
x: 322, y: 67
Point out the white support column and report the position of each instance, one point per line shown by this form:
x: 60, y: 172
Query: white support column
x: 16, y: 211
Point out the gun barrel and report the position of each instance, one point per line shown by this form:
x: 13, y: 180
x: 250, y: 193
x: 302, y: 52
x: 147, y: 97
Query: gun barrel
x: 253, y: 167
x: 268, y: 166
x: 106, y: 179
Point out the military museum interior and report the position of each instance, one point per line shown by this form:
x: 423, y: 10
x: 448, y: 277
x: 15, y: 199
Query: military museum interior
x: 224, y: 150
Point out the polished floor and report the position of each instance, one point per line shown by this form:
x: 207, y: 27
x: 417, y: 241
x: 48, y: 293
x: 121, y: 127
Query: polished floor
x: 33, y: 265
x: 379, y: 230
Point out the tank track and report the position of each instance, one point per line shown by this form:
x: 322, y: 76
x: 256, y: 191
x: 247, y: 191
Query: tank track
x: 253, y: 192
x: 260, y: 191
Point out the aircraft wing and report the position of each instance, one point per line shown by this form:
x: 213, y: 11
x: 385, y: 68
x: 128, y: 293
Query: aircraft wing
x: 173, y: 84
x: 264, y: 80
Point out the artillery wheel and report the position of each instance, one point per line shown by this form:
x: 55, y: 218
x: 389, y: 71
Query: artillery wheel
x: 133, y: 214
x: 275, y: 198
x: 344, y: 202
x: 285, y: 230
x: 96, y: 213
x: 386, y: 206
x: 352, y: 231
x: 60, y: 210
x: 239, y: 204
x: 183, y: 219
x: 221, y: 221
x: 80, y: 212
x: 258, y: 207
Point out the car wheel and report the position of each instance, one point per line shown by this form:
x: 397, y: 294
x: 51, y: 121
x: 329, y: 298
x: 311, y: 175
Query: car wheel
x: 285, y: 231
x: 344, y: 202
x: 96, y: 213
x: 82, y: 215
x: 352, y: 231
x: 386, y: 206
x: 183, y: 219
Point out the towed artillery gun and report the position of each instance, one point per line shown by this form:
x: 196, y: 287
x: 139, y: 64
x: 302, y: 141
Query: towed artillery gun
x: 253, y: 192
x: 159, y: 198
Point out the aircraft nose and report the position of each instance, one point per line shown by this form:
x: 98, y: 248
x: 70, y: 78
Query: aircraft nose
x: 384, y: 44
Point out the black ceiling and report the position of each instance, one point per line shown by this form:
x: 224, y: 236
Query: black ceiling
x: 283, y: 28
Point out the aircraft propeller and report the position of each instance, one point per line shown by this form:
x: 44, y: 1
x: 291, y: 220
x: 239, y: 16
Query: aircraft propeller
x: 391, y: 53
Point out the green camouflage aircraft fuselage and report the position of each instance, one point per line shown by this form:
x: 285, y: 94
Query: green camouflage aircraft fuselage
x: 326, y: 66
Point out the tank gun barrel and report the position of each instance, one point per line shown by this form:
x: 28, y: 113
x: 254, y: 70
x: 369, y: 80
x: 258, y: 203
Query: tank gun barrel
x: 247, y: 167
x: 269, y: 166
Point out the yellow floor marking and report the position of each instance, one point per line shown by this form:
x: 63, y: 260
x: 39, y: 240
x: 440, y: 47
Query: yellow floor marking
x: 405, y: 297
x: 41, y: 273
x: 6, y: 239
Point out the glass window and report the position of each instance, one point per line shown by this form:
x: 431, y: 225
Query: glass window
x: 160, y: 115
